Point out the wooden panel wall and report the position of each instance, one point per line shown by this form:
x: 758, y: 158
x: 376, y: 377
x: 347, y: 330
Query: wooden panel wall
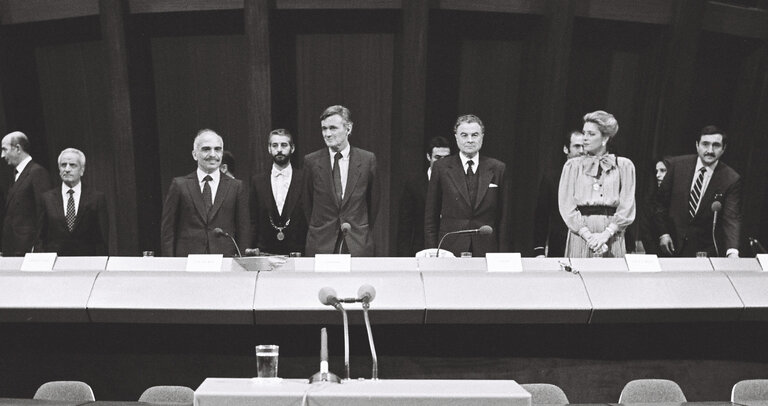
x: 354, y: 70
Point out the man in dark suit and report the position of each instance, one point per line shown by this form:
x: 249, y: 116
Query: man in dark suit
x: 549, y: 230
x: 410, y: 224
x: 684, y: 215
x: 74, y: 220
x: 24, y: 203
x: 340, y: 188
x: 202, y: 201
x: 277, y: 213
x: 468, y: 191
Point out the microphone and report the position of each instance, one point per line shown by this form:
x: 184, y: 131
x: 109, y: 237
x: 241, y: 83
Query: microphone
x: 367, y: 293
x: 756, y: 246
x: 323, y: 375
x: 716, y: 207
x: 345, y: 227
x: 221, y: 233
x: 484, y: 230
x: 328, y: 297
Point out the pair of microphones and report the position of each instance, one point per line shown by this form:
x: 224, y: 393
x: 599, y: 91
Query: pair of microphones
x: 327, y: 295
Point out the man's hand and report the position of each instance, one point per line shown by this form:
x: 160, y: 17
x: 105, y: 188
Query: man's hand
x: 666, y: 245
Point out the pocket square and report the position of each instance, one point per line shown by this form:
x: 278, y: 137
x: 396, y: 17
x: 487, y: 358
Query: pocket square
x: 493, y: 185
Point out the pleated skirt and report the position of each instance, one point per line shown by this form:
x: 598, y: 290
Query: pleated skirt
x: 576, y: 247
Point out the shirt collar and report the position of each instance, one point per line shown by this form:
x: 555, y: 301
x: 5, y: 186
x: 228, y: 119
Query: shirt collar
x: 215, y: 175
x: 23, y: 164
x: 287, y: 171
x: 77, y: 188
x: 700, y: 165
x: 344, y: 152
x: 475, y: 160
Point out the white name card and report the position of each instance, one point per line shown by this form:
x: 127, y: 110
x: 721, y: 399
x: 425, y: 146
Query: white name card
x: 333, y: 262
x: 642, y: 263
x: 504, y: 262
x: 40, y: 261
x: 204, y: 262
x: 763, y: 260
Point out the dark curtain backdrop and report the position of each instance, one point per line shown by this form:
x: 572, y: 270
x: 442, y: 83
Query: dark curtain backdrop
x: 189, y: 72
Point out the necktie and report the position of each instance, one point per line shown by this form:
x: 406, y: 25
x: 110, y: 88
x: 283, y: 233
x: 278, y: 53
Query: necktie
x: 71, y: 210
x: 337, y: 176
x: 207, y: 196
x: 471, y: 182
x: 695, y: 197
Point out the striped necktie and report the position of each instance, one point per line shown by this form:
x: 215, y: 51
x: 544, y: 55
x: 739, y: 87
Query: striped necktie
x: 695, y: 197
x: 71, y: 215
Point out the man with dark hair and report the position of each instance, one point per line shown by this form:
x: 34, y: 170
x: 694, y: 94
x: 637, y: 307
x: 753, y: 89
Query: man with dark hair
x: 685, y: 204
x: 74, y: 220
x: 279, y: 225
x: 410, y: 225
x: 341, y: 188
x: 203, y: 201
x: 468, y: 191
x: 24, y: 203
x: 228, y: 164
x: 549, y: 230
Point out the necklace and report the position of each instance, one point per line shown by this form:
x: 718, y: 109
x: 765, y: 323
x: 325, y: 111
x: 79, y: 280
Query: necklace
x: 280, y: 234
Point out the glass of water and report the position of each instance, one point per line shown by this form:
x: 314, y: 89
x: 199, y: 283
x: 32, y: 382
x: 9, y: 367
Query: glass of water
x: 266, y: 360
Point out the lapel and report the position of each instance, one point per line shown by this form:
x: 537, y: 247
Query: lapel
x: 22, y: 177
x: 458, y: 177
x: 353, y: 174
x: 225, y: 185
x: 715, y: 186
x: 326, y: 173
x: 194, y: 193
x: 483, y: 180
x: 293, y: 193
x: 82, y: 207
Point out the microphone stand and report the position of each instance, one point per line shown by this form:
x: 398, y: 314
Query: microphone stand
x: 374, y: 358
x: 714, y: 240
x: 340, y: 308
x: 239, y: 254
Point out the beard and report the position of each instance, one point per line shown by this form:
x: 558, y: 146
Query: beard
x: 281, y: 159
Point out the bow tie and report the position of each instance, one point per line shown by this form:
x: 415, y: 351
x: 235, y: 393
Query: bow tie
x: 591, y: 164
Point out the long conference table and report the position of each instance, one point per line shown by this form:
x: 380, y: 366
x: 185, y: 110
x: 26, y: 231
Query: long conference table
x: 409, y: 291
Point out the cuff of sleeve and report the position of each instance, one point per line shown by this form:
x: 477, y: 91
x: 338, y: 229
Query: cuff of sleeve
x: 732, y: 251
x: 612, y: 228
x: 538, y: 251
x: 583, y: 232
x: 664, y: 235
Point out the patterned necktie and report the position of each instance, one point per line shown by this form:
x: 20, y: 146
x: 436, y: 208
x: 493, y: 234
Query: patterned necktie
x: 207, y: 196
x: 71, y: 215
x: 337, y: 176
x: 695, y: 197
x: 471, y: 182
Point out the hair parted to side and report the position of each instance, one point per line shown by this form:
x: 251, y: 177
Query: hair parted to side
x: 280, y: 131
x: 342, y: 111
x: 605, y: 122
x: 437, y: 142
x: 568, y: 135
x: 80, y: 155
x: 713, y: 129
x: 468, y: 118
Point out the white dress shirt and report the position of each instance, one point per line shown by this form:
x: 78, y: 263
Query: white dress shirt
x: 475, y: 162
x: 75, y: 196
x: 214, y: 183
x: 281, y: 182
x: 20, y: 167
x: 343, y: 166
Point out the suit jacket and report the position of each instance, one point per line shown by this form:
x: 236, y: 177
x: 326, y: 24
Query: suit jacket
x: 410, y: 222
x: 448, y: 207
x: 694, y: 235
x: 90, y: 235
x: 358, y: 208
x: 23, y: 208
x: 549, y: 229
x: 187, y: 229
x: 264, y: 208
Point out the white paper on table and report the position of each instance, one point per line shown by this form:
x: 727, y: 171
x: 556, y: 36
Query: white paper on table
x: 204, y: 262
x: 642, y: 263
x: 38, y: 261
x: 504, y: 262
x: 333, y: 262
x: 763, y: 260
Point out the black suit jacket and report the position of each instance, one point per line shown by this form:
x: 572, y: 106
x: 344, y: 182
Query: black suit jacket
x: 548, y: 226
x: 410, y: 222
x: 448, y: 207
x: 187, y: 229
x: 358, y: 208
x: 90, y: 235
x: 23, y: 208
x: 693, y: 235
x: 263, y: 207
